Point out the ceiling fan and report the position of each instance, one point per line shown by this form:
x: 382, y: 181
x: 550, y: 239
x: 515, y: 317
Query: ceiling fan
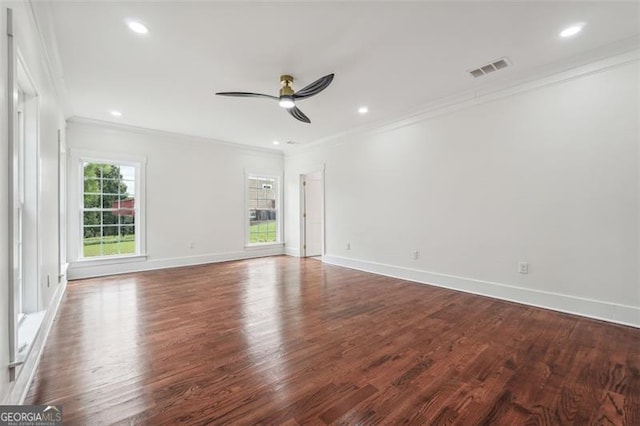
x: 288, y: 97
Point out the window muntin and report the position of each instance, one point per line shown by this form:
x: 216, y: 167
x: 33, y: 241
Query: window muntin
x: 262, y: 199
x: 109, y: 210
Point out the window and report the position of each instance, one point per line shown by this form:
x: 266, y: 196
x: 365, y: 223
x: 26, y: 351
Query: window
x: 263, y: 206
x: 24, y: 184
x: 110, y: 209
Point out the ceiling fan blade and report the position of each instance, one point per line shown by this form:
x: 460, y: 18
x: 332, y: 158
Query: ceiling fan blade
x: 246, y: 95
x: 298, y: 115
x: 314, y: 88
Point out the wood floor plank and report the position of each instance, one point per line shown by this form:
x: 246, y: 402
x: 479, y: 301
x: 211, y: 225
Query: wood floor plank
x: 290, y: 341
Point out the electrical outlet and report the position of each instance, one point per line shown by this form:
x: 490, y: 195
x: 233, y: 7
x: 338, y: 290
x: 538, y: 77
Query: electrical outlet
x: 415, y: 254
x: 523, y: 267
x: 348, y: 246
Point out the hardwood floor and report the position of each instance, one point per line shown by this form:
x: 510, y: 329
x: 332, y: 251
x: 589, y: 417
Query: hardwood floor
x: 291, y: 341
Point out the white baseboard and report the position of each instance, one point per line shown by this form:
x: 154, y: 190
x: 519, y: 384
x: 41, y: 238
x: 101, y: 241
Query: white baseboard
x: 292, y: 251
x: 620, y: 314
x: 79, y: 271
x: 18, y: 390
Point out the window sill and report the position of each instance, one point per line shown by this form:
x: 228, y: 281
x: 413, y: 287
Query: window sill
x: 262, y: 245
x: 111, y: 260
x: 28, y: 330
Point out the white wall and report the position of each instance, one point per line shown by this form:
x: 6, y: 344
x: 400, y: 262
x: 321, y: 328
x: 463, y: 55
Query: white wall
x: 194, y: 193
x: 50, y: 120
x: 548, y: 176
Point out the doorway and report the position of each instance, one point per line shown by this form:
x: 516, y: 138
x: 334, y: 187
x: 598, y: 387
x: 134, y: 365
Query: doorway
x: 312, y: 214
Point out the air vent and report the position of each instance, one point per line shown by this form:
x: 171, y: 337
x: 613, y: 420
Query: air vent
x: 292, y: 143
x: 489, y: 68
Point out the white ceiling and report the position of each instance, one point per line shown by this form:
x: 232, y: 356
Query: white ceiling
x: 393, y: 57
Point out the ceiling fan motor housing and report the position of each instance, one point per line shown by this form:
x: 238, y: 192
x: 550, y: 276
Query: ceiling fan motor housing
x: 286, y: 81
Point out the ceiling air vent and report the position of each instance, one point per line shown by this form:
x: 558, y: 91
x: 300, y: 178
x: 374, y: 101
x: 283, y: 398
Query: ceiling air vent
x: 489, y: 68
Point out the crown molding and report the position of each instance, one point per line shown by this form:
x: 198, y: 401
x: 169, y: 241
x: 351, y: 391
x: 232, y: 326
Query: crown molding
x: 90, y: 122
x: 602, y: 59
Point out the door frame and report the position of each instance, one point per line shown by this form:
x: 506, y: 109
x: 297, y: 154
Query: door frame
x: 301, y: 210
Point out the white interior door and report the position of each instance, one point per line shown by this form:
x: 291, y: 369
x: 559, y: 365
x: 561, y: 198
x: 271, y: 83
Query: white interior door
x: 312, y: 214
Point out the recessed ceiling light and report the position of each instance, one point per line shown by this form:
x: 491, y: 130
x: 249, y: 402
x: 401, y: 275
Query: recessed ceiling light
x: 137, y: 27
x: 276, y: 142
x: 363, y: 110
x: 116, y: 113
x: 572, y: 30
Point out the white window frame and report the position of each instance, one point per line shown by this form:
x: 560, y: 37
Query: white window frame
x: 76, y: 199
x: 24, y: 206
x: 279, y: 207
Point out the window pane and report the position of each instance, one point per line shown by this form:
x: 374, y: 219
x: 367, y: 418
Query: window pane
x: 92, y: 247
x: 111, y: 171
x: 91, y: 231
x: 127, y: 245
x: 109, y: 231
x: 92, y: 242
x: 92, y: 170
x: 109, y: 247
x: 128, y: 203
x: 110, y: 217
x: 91, y: 201
x: 127, y: 217
x: 128, y: 173
x: 110, y: 201
x: 127, y: 228
x: 128, y: 231
x: 128, y: 187
x: 91, y: 218
x: 113, y: 186
x: 92, y: 185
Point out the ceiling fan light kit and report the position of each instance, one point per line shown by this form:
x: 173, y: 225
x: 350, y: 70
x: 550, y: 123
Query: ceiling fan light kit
x: 287, y: 102
x: 287, y: 97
